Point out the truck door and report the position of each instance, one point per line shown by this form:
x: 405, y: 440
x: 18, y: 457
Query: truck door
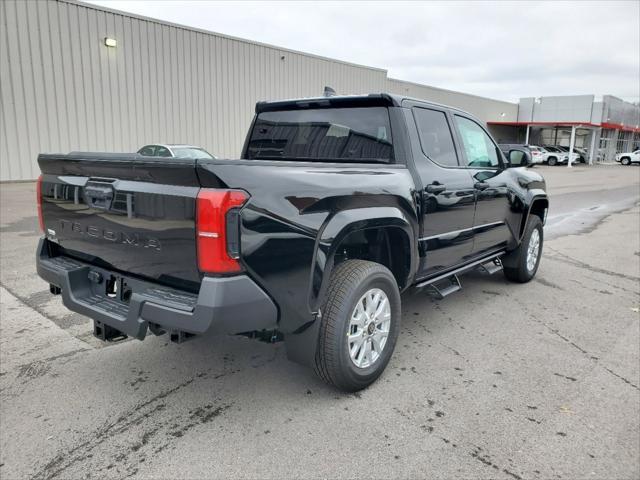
x: 448, y: 196
x: 490, y: 180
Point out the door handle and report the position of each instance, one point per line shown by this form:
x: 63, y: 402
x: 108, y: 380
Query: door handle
x: 481, y: 185
x: 435, y: 188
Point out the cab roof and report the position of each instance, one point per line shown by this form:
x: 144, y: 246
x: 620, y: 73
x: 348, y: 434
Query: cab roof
x: 370, y: 100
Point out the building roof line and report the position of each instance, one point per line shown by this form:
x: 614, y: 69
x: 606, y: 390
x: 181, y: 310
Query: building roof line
x: 451, y: 91
x: 217, y: 34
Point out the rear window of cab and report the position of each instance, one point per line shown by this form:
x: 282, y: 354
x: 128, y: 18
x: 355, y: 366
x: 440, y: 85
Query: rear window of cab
x: 361, y: 134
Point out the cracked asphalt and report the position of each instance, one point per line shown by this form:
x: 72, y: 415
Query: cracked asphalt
x: 497, y: 381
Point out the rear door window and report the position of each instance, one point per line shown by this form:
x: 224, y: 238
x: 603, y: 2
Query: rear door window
x: 361, y: 134
x: 163, y: 152
x: 435, y: 136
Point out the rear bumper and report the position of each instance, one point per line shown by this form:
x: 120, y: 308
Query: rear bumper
x: 224, y: 305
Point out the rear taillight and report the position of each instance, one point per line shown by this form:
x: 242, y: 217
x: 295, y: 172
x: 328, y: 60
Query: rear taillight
x: 39, y: 202
x: 217, y: 229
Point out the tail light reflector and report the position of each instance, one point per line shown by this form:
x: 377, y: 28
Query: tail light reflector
x: 216, y: 217
x: 39, y: 203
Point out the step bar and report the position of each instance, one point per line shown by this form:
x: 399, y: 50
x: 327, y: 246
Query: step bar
x: 491, y: 267
x: 445, y: 287
x: 489, y: 264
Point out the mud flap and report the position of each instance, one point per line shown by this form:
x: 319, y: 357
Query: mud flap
x: 302, y: 344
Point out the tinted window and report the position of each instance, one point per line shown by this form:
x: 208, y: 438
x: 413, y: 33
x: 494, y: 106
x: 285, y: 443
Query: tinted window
x: 330, y: 134
x: 480, y: 149
x: 147, y: 151
x: 162, y: 152
x: 435, y: 136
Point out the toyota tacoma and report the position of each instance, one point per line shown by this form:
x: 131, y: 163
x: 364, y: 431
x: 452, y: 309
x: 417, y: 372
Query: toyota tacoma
x: 336, y: 206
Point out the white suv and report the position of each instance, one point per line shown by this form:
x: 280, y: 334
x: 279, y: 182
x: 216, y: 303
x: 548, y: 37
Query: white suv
x: 554, y: 156
x: 628, y: 158
x: 537, y: 154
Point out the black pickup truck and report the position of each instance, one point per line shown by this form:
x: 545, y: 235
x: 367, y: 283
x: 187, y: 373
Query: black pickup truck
x: 337, y: 205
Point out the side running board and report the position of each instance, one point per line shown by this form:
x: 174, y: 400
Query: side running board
x: 445, y: 287
x: 491, y: 267
x: 448, y: 283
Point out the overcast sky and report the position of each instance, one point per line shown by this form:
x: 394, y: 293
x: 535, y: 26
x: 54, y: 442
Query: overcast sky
x: 498, y: 49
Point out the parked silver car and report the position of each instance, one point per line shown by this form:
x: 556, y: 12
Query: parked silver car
x: 174, y: 151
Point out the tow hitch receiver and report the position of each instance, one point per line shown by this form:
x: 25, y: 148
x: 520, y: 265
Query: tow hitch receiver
x: 178, y: 336
x: 106, y: 333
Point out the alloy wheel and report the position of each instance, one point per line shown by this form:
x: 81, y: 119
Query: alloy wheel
x: 369, y: 328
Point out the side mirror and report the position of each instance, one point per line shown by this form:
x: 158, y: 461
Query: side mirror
x: 519, y: 158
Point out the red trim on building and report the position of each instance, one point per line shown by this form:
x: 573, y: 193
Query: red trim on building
x: 552, y: 124
x: 619, y: 126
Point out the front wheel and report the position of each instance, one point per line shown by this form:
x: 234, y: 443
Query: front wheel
x: 522, y: 264
x: 552, y: 161
x: 625, y: 161
x: 359, y: 325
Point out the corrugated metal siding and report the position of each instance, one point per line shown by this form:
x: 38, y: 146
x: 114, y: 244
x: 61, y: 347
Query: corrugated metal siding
x: 61, y: 89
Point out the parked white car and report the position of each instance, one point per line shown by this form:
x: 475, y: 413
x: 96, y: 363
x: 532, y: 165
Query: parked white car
x: 575, y: 156
x: 537, y: 154
x: 554, y: 156
x: 627, y: 158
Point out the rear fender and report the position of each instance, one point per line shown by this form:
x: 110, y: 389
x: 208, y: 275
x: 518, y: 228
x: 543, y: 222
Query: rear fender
x: 340, y: 226
x: 301, y: 346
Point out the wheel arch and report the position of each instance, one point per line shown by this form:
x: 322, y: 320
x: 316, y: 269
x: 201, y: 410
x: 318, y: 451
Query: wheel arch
x: 538, y: 206
x: 385, y: 235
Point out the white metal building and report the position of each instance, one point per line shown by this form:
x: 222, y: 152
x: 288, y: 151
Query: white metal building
x: 65, y: 87
x: 603, y: 127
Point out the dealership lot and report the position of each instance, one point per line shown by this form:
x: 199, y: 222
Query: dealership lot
x: 499, y: 380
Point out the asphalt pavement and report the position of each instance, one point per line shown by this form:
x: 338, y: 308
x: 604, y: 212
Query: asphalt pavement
x: 498, y: 380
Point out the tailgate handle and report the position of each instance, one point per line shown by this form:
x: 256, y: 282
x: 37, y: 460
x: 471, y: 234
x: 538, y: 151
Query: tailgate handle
x: 98, y: 196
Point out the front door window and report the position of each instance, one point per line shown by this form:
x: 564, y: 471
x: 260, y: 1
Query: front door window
x: 480, y: 149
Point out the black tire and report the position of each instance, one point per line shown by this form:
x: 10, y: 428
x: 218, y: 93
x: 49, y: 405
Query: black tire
x: 552, y: 161
x: 515, y: 263
x: 350, y: 280
x: 625, y: 161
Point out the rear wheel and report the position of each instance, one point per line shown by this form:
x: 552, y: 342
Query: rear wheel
x: 523, y: 262
x: 552, y: 161
x: 359, y: 326
x: 625, y: 161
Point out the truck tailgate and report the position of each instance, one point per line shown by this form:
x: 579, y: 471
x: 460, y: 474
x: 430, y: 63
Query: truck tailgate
x: 132, y: 215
